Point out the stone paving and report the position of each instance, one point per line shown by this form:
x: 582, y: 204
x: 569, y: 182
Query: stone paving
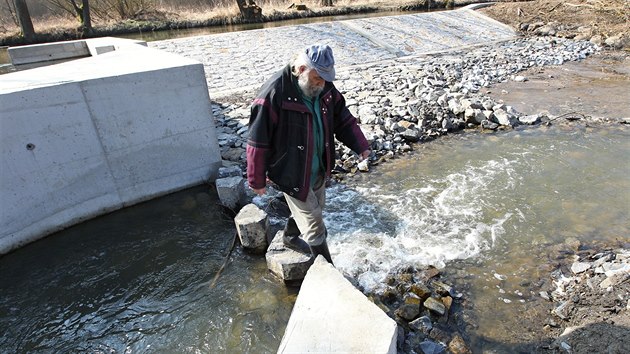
x: 239, y: 61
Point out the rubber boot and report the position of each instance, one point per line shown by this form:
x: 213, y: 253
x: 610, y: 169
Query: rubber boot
x: 323, y: 250
x: 291, y: 238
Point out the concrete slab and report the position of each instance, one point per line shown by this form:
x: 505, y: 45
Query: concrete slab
x: 37, y: 53
x: 332, y: 316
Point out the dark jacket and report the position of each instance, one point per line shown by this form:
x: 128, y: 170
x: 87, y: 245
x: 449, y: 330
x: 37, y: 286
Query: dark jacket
x: 280, y: 144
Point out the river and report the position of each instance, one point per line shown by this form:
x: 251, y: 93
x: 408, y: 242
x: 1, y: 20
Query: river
x: 139, y: 279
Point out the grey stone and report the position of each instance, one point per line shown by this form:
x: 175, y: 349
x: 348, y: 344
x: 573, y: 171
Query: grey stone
x: 504, y: 118
x: 422, y: 324
x: 529, y: 120
x: 408, y: 311
x: 435, y: 305
x: 442, y: 288
x: 474, y: 115
x: 231, y: 171
x: 410, y: 135
x: 520, y: 78
x: 430, y: 347
x: 455, y: 107
x: 286, y: 263
x: 230, y: 191
x: 252, y: 224
x: 563, y: 310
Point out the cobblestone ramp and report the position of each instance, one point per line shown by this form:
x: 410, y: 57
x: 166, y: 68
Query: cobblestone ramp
x: 244, y: 60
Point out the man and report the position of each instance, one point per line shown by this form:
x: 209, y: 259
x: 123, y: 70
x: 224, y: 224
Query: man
x: 294, y: 120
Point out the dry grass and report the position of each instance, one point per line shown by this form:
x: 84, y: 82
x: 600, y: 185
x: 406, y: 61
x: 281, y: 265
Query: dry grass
x: 224, y: 9
x: 608, y: 17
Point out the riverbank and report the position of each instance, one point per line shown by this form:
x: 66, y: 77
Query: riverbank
x: 163, y: 19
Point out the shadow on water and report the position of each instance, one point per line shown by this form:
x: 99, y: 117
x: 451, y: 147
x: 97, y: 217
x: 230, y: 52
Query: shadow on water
x: 138, y: 279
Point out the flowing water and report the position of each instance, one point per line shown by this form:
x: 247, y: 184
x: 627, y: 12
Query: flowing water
x: 486, y: 206
x: 138, y: 280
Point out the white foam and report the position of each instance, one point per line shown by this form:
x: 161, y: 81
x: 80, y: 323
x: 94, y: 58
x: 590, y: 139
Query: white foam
x: 377, y: 229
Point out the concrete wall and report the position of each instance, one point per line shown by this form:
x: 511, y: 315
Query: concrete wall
x: 93, y: 135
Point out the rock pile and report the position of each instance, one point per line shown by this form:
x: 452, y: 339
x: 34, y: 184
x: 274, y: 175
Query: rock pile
x: 596, y: 289
x: 576, y: 32
x: 414, y: 99
x: 421, y: 305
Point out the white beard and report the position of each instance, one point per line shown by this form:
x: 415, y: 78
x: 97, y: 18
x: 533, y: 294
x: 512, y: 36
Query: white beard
x: 308, y: 89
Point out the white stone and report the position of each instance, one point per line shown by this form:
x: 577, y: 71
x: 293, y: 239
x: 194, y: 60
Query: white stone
x: 363, y: 166
x: 520, y: 78
x: 252, y: 224
x: 580, y: 267
x: 286, y: 263
x: 530, y: 120
x: 332, y: 316
x: 504, y: 118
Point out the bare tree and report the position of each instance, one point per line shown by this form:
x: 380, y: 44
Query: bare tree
x: 80, y: 11
x: 327, y: 2
x: 249, y: 10
x: 24, y: 18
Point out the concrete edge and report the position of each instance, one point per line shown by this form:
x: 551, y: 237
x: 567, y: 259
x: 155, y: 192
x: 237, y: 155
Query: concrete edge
x: 474, y: 12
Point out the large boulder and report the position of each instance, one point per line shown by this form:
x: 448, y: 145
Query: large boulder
x: 252, y: 224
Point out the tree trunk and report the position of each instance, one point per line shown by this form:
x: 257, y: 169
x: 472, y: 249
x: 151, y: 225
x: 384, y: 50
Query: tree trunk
x: 249, y: 10
x: 86, y: 18
x: 24, y: 17
x: 327, y: 2
x: 83, y: 13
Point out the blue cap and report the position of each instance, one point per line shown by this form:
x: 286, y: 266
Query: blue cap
x: 320, y: 57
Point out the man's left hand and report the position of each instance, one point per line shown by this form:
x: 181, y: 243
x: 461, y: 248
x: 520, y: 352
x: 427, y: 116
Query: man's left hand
x: 365, y: 154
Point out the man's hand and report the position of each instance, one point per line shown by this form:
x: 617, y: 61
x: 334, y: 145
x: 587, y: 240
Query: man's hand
x: 365, y: 154
x: 260, y: 191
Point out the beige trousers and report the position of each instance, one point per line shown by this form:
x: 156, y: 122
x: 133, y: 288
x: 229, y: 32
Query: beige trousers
x: 308, y: 214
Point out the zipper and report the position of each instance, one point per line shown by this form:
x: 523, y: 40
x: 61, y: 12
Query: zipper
x: 326, y: 135
x: 309, y: 151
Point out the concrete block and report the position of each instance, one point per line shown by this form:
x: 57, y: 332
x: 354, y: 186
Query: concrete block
x: 230, y: 191
x: 332, y: 316
x: 86, y: 137
x: 286, y: 263
x: 252, y: 224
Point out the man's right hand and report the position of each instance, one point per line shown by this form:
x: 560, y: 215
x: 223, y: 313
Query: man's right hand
x: 260, y: 191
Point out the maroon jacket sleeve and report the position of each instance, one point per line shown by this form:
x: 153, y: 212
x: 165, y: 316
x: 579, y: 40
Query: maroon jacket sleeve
x: 263, y: 117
